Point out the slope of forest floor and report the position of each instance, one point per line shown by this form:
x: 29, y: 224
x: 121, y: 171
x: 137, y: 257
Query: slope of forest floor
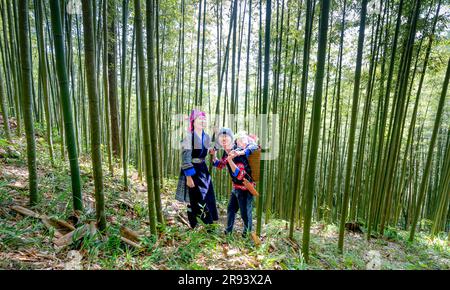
x: 26, y: 243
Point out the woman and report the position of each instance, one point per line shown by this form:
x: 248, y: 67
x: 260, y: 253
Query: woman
x: 195, y: 184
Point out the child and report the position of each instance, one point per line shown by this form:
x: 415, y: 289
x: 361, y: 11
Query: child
x: 235, y: 159
x: 245, y: 144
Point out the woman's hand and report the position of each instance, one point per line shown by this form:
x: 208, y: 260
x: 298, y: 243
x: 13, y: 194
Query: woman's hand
x: 190, y: 182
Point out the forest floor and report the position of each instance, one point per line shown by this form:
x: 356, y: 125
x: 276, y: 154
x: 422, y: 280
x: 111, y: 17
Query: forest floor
x: 27, y: 243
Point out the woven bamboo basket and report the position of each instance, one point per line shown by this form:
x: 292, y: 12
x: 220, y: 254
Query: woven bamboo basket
x: 254, y: 161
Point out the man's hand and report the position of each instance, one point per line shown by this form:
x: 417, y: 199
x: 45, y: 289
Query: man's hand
x: 231, y: 155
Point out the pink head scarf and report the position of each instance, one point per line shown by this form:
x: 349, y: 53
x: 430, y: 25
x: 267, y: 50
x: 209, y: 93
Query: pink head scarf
x: 194, y: 115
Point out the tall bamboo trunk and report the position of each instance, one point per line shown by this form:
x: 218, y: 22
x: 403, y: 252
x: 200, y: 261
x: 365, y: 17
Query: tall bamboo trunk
x: 112, y: 78
x: 94, y: 112
x: 61, y: 71
x: 153, y: 103
x: 27, y: 99
x: 144, y: 116
x: 315, y: 127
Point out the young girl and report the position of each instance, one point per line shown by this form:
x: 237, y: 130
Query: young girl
x: 195, y: 185
x: 235, y: 159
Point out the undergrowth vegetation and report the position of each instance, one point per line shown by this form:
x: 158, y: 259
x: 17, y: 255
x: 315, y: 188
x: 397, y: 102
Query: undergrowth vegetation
x: 27, y: 244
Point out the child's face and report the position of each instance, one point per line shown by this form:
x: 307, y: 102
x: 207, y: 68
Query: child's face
x: 242, y: 142
x: 225, y: 141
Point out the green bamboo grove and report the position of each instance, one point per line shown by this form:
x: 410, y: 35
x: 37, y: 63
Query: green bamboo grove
x: 359, y: 89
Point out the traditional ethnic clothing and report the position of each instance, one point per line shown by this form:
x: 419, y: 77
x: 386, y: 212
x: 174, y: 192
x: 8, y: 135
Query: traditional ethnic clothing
x: 240, y: 197
x: 201, y: 197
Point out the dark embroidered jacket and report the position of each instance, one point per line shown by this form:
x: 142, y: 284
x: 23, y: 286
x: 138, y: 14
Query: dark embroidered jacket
x: 190, y: 142
x: 243, y: 166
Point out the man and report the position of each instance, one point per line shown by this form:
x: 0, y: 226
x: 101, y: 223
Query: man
x: 235, y: 159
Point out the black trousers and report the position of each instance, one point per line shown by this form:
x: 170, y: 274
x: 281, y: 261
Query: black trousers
x: 240, y: 200
x: 198, y: 208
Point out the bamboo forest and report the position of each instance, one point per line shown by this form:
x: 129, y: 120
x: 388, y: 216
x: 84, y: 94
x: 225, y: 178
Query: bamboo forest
x: 330, y: 118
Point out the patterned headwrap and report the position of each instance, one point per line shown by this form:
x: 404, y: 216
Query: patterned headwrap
x: 253, y: 138
x: 194, y: 115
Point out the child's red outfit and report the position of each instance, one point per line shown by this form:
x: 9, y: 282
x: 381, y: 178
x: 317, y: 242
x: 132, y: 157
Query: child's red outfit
x: 238, y: 175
